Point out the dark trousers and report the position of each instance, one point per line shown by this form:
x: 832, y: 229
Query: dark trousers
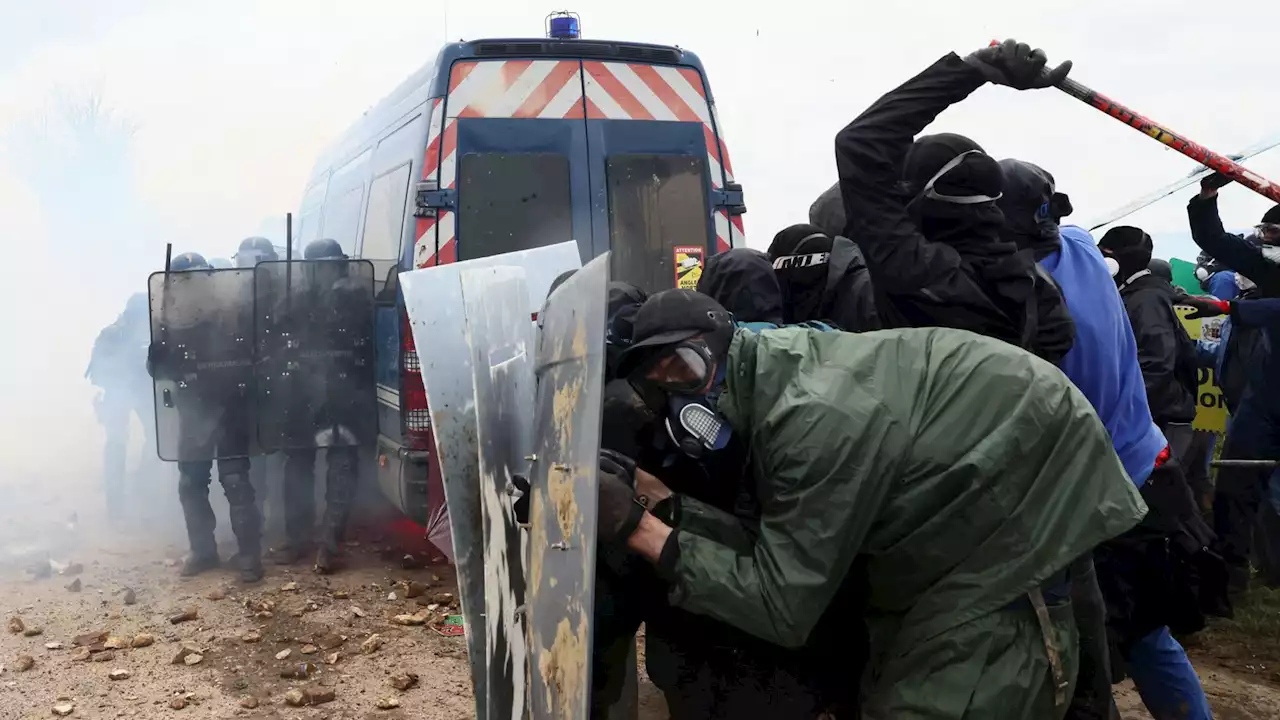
x: 193, y: 492
x: 1252, y: 435
x: 299, y: 494
x: 1092, y: 699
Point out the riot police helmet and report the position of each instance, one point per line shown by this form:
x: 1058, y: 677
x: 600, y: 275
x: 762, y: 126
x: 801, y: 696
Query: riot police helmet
x: 219, y: 263
x: 188, y: 261
x: 323, y: 249
x: 254, y: 250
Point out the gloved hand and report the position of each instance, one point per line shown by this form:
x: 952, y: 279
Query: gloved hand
x: 1016, y: 65
x: 1216, y: 181
x: 1205, y: 306
x: 619, y: 513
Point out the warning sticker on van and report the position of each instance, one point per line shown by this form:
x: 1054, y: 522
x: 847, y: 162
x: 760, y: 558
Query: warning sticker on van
x: 688, y: 266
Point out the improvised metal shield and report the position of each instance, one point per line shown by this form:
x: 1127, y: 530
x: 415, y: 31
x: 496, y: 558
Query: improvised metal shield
x: 434, y: 304
x: 502, y: 346
x: 201, y: 362
x: 315, y: 344
x: 570, y: 368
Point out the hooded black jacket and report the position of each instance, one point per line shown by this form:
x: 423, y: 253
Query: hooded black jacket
x: 973, y: 280
x: 743, y: 281
x: 1166, y: 352
x: 823, y: 277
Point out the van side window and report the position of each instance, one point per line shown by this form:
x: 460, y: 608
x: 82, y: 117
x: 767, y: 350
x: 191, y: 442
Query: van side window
x: 511, y: 202
x: 342, y: 218
x: 656, y: 203
x: 384, y: 220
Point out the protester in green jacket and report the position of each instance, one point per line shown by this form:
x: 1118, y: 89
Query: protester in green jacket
x: 966, y: 474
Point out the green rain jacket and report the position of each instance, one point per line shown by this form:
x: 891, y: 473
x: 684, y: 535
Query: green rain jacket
x: 966, y: 471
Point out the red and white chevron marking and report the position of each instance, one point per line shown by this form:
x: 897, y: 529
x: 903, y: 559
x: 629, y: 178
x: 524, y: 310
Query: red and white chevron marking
x: 554, y: 89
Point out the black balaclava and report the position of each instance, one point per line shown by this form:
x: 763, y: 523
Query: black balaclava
x: 800, y: 256
x: 1028, y: 204
x: 1127, y: 251
x: 962, y: 214
x: 743, y: 281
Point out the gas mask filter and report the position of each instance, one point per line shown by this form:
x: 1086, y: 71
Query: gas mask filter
x: 682, y: 374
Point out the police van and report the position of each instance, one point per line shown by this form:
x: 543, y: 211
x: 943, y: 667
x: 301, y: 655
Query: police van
x: 507, y: 144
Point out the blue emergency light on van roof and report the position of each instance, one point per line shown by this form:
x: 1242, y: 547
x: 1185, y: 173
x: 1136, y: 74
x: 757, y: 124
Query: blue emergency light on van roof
x: 564, y: 25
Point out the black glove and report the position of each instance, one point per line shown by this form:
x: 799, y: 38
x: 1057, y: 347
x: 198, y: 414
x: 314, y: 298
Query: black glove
x: 1216, y: 181
x: 1206, y: 306
x: 1016, y: 65
x: 619, y: 513
x: 521, y: 505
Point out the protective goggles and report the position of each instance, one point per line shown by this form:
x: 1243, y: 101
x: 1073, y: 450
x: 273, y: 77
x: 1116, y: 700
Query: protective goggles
x: 682, y: 368
x: 953, y: 163
x: 1268, y: 231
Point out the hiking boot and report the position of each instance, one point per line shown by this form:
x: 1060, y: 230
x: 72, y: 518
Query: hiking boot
x: 288, y: 554
x: 326, y: 561
x: 250, y: 568
x: 196, y: 564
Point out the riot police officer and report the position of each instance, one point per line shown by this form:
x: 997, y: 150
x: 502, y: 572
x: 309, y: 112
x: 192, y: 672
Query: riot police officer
x: 213, y: 422
x: 342, y: 305
x: 254, y: 250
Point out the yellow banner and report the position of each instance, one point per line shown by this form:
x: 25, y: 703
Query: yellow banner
x: 1211, y: 406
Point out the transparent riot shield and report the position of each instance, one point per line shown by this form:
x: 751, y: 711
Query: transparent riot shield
x: 433, y: 301
x: 201, y: 362
x: 502, y: 345
x: 315, y: 344
x: 570, y: 368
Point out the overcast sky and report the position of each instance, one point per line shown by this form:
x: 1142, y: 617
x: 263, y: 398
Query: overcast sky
x: 235, y: 99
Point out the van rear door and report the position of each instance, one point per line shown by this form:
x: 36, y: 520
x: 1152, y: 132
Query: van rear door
x: 513, y: 159
x: 657, y: 171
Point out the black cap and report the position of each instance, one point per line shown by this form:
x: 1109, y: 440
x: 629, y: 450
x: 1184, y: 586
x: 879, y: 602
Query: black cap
x: 671, y: 316
x: 1272, y: 215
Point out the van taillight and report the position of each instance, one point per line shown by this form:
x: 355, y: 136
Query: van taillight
x: 414, y: 416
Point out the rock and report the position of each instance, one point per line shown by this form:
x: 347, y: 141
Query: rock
x: 82, y: 655
x: 341, y: 594
x: 301, y: 671
x: 415, y: 589
x: 391, y: 597
x: 217, y: 594
x: 260, y: 605
x: 16, y: 625
x: 249, y: 702
x: 170, y: 562
x: 130, y: 597
x: 33, y: 632
x: 404, y: 681
x: 183, y: 653
x: 177, y: 703
x: 419, y: 618
x: 387, y: 704
x: 73, y: 569
x: 371, y: 645
x: 142, y: 640
x: 320, y: 695
x: 115, y: 643
x: 75, y: 585
x: 283, y: 654
x: 309, y: 650
x: 64, y: 709
x: 252, y: 636
x: 118, y: 674
x: 53, y: 646
x: 289, y: 587
x: 330, y: 641
x: 92, y: 638
x: 265, y: 614
x: 102, y: 657
x: 442, y: 598
x: 185, y: 616
x: 24, y: 663
x: 295, y: 698
x: 331, y: 659
x: 355, y: 610
x: 193, y: 659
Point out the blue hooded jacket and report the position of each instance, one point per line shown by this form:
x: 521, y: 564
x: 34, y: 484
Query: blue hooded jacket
x: 1103, y: 362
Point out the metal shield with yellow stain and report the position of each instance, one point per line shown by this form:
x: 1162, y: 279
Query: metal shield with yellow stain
x: 502, y: 345
x: 570, y: 368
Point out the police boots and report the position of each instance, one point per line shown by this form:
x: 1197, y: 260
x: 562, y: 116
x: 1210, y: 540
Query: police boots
x: 340, y: 482
x: 193, y: 493
x: 246, y: 523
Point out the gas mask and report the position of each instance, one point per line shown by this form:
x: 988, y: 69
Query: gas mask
x: 688, y: 377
